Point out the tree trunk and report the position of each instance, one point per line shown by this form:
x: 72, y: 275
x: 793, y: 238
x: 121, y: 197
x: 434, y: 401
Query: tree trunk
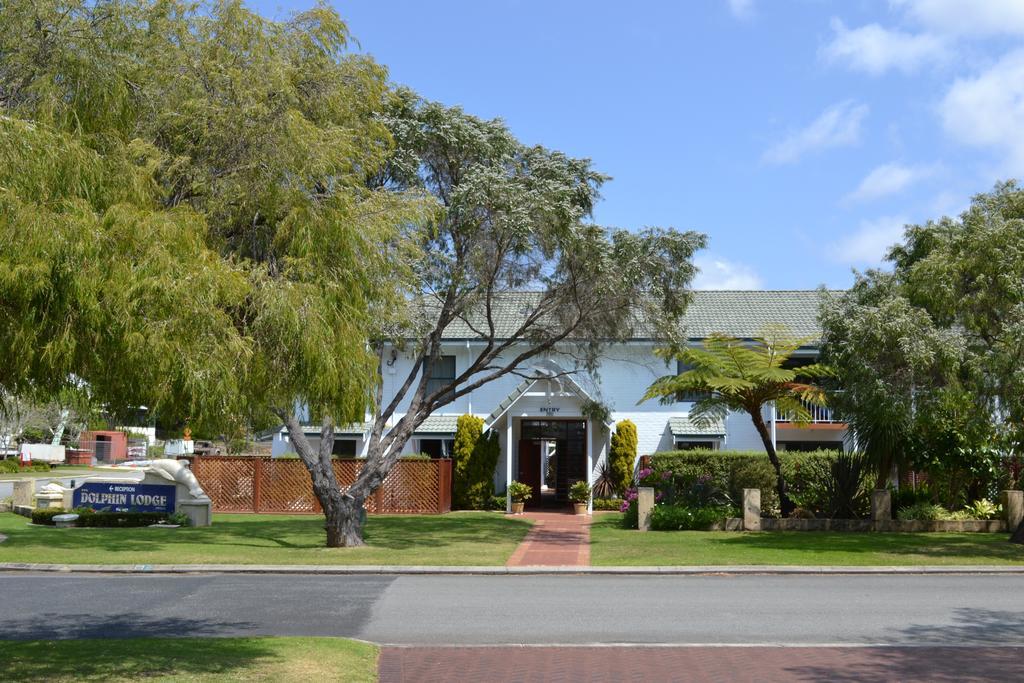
x: 344, y: 522
x: 1018, y: 535
x: 343, y: 512
x: 785, y: 502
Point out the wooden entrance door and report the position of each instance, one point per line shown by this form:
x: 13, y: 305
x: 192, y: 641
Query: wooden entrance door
x: 529, y: 469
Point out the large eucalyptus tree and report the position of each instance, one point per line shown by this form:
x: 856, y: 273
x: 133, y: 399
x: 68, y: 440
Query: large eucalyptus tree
x: 507, y: 217
x: 931, y: 355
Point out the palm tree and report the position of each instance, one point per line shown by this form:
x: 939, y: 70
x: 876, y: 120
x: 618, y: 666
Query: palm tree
x: 744, y: 375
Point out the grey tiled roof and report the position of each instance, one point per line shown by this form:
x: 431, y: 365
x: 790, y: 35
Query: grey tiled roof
x: 747, y: 313
x: 313, y: 429
x: 743, y: 314
x: 438, y: 424
x: 683, y: 426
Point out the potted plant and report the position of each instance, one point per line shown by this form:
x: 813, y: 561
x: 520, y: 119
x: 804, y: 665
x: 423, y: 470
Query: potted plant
x: 520, y: 493
x: 579, y: 494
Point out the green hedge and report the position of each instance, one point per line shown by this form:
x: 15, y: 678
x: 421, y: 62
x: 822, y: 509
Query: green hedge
x: 11, y: 466
x: 46, y: 516
x: 612, y: 504
x: 806, y: 474
x: 90, y: 518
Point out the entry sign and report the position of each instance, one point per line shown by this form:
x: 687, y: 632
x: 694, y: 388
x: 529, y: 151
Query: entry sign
x: 125, y: 497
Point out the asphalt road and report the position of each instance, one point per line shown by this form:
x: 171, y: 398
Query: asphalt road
x: 791, y: 610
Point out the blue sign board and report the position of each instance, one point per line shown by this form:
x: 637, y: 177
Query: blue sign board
x: 125, y: 497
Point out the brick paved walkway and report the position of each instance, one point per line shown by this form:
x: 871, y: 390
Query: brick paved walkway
x: 556, y: 539
x: 740, y: 664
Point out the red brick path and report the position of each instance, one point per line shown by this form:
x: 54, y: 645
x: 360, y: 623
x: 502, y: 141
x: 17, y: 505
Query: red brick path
x: 740, y: 664
x: 556, y: 539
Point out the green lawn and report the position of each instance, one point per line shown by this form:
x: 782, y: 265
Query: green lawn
x: 189, y: 659
x: 612, y: 545
x: 458, y: 538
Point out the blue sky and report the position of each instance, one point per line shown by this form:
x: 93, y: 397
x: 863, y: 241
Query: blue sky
x: 800, y: 135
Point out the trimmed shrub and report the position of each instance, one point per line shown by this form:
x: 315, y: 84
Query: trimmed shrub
x: 681, y: 518
x: 46, y: 515
x: 807, y: 474
x: 12, y: 466
x: 608, y: 504
x: 91, y: 518
x: 622, y: 454
x: 475, y: 456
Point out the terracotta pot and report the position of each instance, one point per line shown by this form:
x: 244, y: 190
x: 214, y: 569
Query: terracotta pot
x: 580, y: 508
x: 517, y: 507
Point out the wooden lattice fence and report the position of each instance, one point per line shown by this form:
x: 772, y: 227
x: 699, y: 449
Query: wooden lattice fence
x: 268, y: 485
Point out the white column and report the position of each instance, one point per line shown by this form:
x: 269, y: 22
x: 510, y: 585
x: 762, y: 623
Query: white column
x: 773, y: 416
x: 508, y: 461
x: 590, y: 464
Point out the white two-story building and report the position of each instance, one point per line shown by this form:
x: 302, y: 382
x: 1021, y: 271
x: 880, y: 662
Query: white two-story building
x: 547, y: 438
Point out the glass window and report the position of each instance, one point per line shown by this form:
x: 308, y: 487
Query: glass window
x: 684, y: 445
x: 344, y: 447
x: 687, y: 396
x: 436, y: 448
x: 441, y: 374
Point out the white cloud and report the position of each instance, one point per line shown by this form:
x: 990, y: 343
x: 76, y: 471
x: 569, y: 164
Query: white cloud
x: 874, y: 49
x: 741, y: 9
x: 869, y: 243
x: 837, y: 126
x: 718, y: 273
x: 967, y: 17
x: 889, y: 179
x: 987, y: 110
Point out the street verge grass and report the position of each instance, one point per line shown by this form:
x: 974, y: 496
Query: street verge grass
x: 611, y: 545
x: 457, y: 538
x: 189, y: 659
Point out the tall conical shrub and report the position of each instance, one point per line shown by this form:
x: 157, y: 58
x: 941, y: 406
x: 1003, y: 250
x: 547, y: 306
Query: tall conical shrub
x: 622, y: 455
x: 475, y: 455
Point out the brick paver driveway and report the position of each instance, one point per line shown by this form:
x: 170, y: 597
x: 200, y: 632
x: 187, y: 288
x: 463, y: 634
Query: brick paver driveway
x: 556, y: 539
x: 730, y: 663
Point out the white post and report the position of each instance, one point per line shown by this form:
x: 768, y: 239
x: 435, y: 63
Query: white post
x: 590, y: 464
x: 774, y: 416
x: 508, y: 461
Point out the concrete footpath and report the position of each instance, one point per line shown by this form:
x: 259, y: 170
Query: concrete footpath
x: 400, y: 570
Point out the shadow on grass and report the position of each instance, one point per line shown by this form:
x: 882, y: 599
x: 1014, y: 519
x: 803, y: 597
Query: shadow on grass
x: 925, y: 545
x: 91, y: 647
x: 256, y: 532
x: 931, y: 658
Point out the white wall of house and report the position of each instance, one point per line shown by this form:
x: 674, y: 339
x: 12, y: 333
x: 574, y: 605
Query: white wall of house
x: 281, y: 444
x: 624, y: 375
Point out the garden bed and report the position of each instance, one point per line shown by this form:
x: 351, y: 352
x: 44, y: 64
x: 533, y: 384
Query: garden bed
x: 895, y: 525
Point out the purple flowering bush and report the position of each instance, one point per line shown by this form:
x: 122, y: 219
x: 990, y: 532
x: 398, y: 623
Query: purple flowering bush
x: 695, y: 505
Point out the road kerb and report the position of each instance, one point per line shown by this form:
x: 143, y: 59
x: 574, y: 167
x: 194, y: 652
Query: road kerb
x: 341, y: 570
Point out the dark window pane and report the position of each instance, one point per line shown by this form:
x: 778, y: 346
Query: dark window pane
x: 441, y: 374
x: 687, y: 396
x: 436, y: 448
x: 344, y: 447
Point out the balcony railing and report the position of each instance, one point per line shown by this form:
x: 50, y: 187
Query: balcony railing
x: 819, y: 415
